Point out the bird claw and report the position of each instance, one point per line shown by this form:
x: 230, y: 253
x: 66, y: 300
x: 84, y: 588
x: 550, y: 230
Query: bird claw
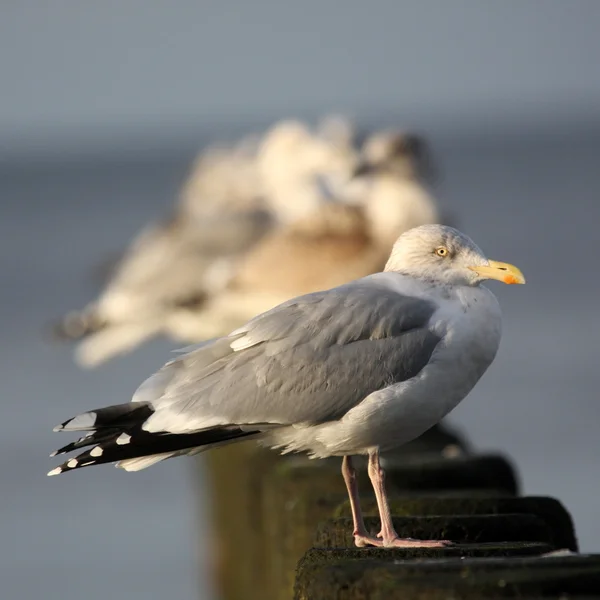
x: 363, y: 541
x: 411, y: 543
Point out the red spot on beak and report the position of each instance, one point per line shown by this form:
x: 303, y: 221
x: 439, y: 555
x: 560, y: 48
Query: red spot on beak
x: 511, y: 279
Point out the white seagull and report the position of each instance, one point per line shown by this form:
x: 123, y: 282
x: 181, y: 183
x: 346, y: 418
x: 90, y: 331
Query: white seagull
x: 234, y: 196
x: 357, y: 369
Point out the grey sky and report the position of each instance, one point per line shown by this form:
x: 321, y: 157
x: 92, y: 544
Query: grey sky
x: 79, y: 72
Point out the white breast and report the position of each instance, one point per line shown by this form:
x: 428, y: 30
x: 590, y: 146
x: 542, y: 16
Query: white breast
x: 469, y: 323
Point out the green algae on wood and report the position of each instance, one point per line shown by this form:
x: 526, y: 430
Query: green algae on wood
x: 425, y: 579
x: 318, y: 556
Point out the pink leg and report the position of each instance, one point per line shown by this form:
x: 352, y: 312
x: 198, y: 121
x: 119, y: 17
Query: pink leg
x: 361, y: 536
x: 388, y: 536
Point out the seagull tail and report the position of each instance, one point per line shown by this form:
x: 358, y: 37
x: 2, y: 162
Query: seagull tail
x: 115, y: 435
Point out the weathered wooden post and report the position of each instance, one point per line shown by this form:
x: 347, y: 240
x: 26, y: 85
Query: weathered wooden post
x: 506, y: 546
x: 549, y: 510
x: 284, y: 530
x: 393, y: 575
x: 302, y: 493
x: 235, y: 477
x: 256, y: 495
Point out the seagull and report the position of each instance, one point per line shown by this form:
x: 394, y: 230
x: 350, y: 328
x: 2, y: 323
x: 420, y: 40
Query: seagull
x: 233, y: 197
x: 336, y: 242
x: 358, y: 369
x: 176, y: 262
x: 327, y: 248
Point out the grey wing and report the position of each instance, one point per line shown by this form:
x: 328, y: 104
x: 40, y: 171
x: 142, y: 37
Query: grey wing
x: 309, y: 360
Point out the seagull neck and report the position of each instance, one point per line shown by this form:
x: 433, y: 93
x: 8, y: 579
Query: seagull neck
x: 429, y: 279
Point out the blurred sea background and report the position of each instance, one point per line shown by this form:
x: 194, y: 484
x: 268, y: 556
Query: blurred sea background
x: 103, y: 107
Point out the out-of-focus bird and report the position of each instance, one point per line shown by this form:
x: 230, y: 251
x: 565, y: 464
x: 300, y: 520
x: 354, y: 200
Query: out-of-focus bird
x: 230, y: 201
x: 299, y: 169
x: 391, y: 159
x: 335, y: 243
x: 391, y: 182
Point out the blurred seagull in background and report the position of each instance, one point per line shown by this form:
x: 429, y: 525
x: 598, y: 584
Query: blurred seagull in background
x: 336, y: 242
x: 256, y: 224
x: 391, y: 181
x: 233, y: 197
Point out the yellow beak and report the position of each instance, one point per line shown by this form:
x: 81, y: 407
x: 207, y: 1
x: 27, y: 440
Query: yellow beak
x: 500, y: 271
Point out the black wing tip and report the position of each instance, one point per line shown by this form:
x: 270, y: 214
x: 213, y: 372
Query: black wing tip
x: 73, y: 464
x: 68, y: 465
x: 124, y: 444
x: 87, y: 440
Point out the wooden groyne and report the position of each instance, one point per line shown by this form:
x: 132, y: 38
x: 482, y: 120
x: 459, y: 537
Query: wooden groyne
x: 282, y: 529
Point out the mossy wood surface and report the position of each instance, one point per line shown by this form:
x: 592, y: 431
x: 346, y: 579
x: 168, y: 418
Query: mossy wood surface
x: 449, y: 578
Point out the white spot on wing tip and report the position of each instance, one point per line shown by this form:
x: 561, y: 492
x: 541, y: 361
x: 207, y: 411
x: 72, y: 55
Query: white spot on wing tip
x: 56, y: 471
x: 97, y: 451
x: 72, y: 463
x: 58, y: 428
x: 53, y: 454
x: 123, y: 439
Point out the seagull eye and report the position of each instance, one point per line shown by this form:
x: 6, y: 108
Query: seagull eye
x: 441, y: 251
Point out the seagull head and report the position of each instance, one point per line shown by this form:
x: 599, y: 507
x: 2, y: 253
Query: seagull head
x: 446, y: 255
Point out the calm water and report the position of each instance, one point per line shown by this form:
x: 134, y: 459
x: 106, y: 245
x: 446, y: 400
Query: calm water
x: 104, y: 533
